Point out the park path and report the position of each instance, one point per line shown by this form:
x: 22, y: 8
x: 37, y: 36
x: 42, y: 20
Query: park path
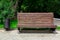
x: 14, y: 35
x: 57, y: 21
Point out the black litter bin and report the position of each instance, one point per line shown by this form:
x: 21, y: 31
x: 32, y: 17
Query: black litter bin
x: 7, y: 24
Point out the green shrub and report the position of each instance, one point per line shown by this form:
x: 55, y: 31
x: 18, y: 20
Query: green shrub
x: 7, y: 9
x: 41, y: 6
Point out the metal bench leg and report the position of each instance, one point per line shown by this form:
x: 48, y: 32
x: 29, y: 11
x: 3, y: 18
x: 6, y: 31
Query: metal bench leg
x: 19, y: 29
x: 52, y: 29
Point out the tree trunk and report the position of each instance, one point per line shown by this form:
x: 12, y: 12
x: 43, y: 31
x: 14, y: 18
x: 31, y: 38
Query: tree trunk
x: 15, y: 7
x: 7, y: 24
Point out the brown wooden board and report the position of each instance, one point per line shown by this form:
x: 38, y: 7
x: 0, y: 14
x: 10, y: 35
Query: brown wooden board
x: 35, y: 20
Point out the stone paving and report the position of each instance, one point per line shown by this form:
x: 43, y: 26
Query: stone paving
x: 14, y: 35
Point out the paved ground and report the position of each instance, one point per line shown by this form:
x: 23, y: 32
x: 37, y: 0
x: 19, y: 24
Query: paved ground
x: 14, y: 35
x: 57, y: 21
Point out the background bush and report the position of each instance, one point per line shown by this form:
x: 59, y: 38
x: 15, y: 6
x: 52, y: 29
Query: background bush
x: 41, y: 6
x: 6, y: 9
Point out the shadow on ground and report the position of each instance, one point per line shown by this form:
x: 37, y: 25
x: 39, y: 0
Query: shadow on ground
x: 38, y: 31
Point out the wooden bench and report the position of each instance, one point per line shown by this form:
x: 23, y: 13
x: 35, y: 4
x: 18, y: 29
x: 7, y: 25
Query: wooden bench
x: 36, y: 20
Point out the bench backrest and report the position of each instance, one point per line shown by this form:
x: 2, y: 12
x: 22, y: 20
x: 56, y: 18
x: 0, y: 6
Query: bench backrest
x: 40, y: 19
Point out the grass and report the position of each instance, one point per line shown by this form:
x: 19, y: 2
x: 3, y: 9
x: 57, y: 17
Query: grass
x: 1, y: 26
x: 58, y: 28
x: 13, y: 25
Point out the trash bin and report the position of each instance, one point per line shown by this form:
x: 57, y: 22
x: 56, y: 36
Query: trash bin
x: 7, y: 24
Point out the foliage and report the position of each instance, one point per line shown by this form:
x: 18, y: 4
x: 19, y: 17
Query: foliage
x: 32, y: 5
x: 41, y: 6
x: 6, y: 8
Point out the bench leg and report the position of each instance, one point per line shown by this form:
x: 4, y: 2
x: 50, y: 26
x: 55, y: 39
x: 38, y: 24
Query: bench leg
x: 19, y: 29
x: 52, y: 29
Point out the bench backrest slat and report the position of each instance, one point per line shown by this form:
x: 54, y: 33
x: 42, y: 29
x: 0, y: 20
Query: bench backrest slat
x: 35, y: 18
